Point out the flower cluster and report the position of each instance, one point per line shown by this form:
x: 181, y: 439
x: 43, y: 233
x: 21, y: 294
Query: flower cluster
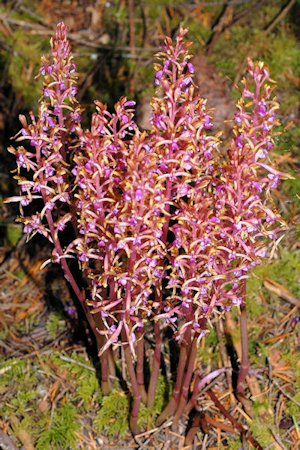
x: 186, y: 156
x: 243, y: 205
x: 43, y: 169
x: 120, y: 219
x: 164, y: 229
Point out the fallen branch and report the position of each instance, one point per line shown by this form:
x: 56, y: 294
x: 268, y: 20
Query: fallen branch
x: 281, y: 291
x: 234, y: 422
x: 283, y: 12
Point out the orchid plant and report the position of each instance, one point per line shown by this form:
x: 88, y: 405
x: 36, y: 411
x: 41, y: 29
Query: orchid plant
x: 163, y: 225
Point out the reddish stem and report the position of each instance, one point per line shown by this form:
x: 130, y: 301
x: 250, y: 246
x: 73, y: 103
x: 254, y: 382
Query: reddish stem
x: 186, y: 384
x: 171, y: 406
x: 244, y: 366
x: 140, y: 366
x: 134, y: 385
x: 198, y: 385
x: 156, y: 366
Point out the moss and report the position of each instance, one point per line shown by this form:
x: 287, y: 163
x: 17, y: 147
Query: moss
x: 87, y: 387
x: 146, y: 417
x: 12, y: 370
x: 60, y: 434
x: 280, y: 51
x: 293, y: 406
x: 86, y: 384
x: 24, y: 65
x: 22, y: 402
x: 55, y: 324
x: 261, y: 428
x: 284, y: 270
x: 234, y: 444
x: 163, y: 392
x: 112, y: 418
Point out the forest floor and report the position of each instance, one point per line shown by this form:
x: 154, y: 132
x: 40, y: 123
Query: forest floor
x: 49, y: 390
x: 50, y: 397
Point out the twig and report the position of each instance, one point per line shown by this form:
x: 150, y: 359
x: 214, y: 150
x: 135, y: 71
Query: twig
x: 281, y: 291
x: 286, y: 394
x: 198, y: 388
x: 130, y: 5
x: 150, y: 433
x: 234, y: 422
x: 76, y: 37
x: 22, y: 434
x: 269, y: 28
x: 77, y: 363
x: 223, y: 21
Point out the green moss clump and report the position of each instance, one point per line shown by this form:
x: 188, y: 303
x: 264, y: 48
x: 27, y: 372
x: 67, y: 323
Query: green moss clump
x: 24, y: 63
x: 234, y: 444
x: 85, y: 380
x: 112, y: 418
x: 55, y: 324
x: 12, y: 370
x: 60, y: 434
x: 208, y: 354
x: 22, y: 402
x: 285, y: 270
x: 163, y: 392
x: 293, y: 408
x: 261, y: 432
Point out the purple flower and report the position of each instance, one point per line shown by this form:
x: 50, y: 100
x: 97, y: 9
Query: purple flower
x: 129, y: 103
x: 207, y: 122
x: 262, y: 110
x: 122, y: 281
x: 159, y: 75
x: 186, y: 82
x: 25, y: 201
x: 191, y: 67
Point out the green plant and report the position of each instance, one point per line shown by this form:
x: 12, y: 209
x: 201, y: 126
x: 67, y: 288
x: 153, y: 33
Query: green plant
x: 59, y: 433
x: 112, y: 418
x: 55, y: 324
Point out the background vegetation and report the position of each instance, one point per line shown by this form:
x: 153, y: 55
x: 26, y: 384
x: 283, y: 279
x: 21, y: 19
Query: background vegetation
x: 48, y: 382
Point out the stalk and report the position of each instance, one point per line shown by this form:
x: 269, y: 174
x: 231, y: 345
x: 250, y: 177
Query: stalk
x: 140, y: 366
x: 171, y: 406
x: 198, y: 385
x: 244, y: 366
x: 156, y: 366
x: 68, y: 274
x: 186, y: 384
x: 105, y: 383
x: 134, y: 385
x: 157, y: 334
